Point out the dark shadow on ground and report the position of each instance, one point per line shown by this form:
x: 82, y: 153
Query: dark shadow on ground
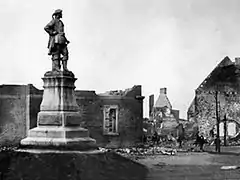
x: 74, y: 166
x: 5, y: 160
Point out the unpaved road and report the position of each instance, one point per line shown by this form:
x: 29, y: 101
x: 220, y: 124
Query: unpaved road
x: 191, y: 166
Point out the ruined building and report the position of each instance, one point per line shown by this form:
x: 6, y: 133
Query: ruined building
x: 218, y: 93
x: 166, y: 119
x: 113, y: 118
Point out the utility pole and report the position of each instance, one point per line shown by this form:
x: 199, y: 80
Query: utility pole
x: 225, y: 130
x: 217, y: 123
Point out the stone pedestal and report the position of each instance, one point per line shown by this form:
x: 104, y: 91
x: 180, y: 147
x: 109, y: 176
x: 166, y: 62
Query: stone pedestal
x: 59, y: 120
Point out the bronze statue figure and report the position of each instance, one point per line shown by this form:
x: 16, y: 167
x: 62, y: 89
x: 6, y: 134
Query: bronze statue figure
x: 57, y: 43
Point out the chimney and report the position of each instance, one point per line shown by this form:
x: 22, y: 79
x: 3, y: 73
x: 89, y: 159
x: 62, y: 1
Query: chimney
x: 151, y: 104
x: 237, y: 61
x: 163, y: 90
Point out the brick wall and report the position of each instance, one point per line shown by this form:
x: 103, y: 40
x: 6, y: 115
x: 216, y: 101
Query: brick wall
x: 12, y: 114
x: 225, y: 80
x: 166, y: 122
x: 34, y: 102
x: 205, y: 110
x: 19, y: 106
x: 130, y: 116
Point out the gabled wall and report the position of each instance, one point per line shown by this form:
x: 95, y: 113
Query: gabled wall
x: 224, y: 79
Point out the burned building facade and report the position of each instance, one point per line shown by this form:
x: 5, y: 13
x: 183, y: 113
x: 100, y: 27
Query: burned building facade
x: 218, y: 96
x: 164, y: 117
x: 114, y: 118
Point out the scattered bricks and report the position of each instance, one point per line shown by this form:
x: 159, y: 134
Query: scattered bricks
x: 155, y: 150
x: 103, y: 149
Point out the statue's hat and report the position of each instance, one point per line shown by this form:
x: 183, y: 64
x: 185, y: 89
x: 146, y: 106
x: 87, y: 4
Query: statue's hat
x: 58, y: 11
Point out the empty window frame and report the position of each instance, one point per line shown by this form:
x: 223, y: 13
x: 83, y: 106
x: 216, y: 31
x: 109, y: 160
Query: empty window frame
x: 110, y: 121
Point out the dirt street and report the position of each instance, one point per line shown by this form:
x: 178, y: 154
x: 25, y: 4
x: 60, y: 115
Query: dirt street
x: 192, y: 166
x: 109, y: 165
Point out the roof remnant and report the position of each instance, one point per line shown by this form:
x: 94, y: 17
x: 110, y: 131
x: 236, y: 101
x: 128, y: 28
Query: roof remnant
x: 120, y: 92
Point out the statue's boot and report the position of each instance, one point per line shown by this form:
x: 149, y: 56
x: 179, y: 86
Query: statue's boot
x: 64, y: 63
x: 56, y: 66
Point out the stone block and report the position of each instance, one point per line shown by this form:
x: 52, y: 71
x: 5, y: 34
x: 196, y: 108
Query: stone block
x: 58, y: 132
x: 82, y: 143
x: 50, y: 118
x: 59, y: 93
x: 58, y: 118
x: 45, y: 132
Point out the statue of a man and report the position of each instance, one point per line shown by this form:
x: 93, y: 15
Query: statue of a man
x: 57, y: 43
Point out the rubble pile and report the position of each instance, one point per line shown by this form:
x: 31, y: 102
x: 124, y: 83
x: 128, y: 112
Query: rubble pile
x: 142, y: 151
x: 234, y: 143
x: 7, y: 148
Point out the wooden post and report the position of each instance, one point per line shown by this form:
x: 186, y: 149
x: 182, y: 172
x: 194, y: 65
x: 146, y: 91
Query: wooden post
x: 225, y: 130
x: 217, y: 123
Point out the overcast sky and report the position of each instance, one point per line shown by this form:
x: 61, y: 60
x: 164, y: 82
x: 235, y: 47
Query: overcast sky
x: 116, y: 44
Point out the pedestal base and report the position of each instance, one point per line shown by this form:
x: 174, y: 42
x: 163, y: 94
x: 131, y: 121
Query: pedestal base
x: 59, y: 121
x: 74, y: 138
x: 59, y: 118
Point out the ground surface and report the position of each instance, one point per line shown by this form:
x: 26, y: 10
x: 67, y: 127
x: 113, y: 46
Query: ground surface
x: 68, y: 166
x: 194, y: 165
x: 81, y: 166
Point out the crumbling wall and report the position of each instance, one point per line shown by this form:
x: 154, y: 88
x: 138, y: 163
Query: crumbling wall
x: 224, y: 80
x: 166, y: 123
x: 205, y: 108
x: 34, y: 102
x: 190, y: 130
x: 130, y: 116
x: 206, y: 112
x: 12, y: 114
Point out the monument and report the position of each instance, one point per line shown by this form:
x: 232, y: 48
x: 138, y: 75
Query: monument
x: 59, y: 119
x: 58, y: 129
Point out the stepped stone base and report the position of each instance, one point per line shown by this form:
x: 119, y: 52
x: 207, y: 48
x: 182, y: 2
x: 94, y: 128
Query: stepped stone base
x: 78, y: 144
x: 59, y: 137
x: 58, y: 132
x: 59, y: 121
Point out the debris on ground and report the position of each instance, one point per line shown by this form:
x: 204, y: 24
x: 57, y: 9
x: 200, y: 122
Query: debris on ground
x: 143, y: 151
x: 160, y: 164
x: 229, y: 167
x: 103, y: 149
x: 8, y: 148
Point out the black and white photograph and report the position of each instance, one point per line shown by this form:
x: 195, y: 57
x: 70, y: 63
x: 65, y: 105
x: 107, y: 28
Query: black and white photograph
x: 120, y: 90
